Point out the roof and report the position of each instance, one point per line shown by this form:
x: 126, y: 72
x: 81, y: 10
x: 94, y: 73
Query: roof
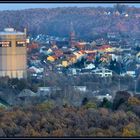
x: 105, y: 47
x: 26, y: 93
x: 12, y: 33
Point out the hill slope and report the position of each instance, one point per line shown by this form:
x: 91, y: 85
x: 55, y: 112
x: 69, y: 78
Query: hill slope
x: 88, y: 22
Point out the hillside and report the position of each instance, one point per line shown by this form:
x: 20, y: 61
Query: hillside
x: 88, y: 22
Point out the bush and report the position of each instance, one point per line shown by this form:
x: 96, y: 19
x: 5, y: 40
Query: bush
x: 133, y: 101
x: 106, y: 103
x: 45, y: 106
x: 90, y: 105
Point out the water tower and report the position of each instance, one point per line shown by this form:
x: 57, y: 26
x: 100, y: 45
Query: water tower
x: 13, y: 54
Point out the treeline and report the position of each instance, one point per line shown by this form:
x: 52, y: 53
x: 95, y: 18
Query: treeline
x: 89, y: 23
x: 63, y: 88
x: 118, y: 119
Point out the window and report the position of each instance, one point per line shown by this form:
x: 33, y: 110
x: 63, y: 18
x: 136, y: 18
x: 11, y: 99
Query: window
x: 20, y: 43
x: 5, y: 43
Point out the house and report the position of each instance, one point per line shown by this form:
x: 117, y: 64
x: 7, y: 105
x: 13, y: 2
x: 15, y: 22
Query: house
x: 27, y: 97
x: 117, y: 13
x: 137, y: 15
x: 65, y: 63
x: 91, y: 57
x: 43, y: 91
x: 131, y: 73
x: 79, y: 54
x: 44, y: 50
x: 100, y: 42
x: 106, y: 48
x: 111, y: 35
x: 101, y: 97
x: 85, y: 71
x: 51, y: 58
x: 131, y: 67
x: 103, y: 72
x: 80, y: 88
x: 90, y: 66
x: 49, y: 51
x: 72, y: 59
x: 80, y: 45
x: 73, y: 71
x: 138, y: 57
x: 54, y: 46
x: 26, y: 92
x: 32, y: 45
x: 113, y: 43
x: 58, y: 53
x: 33, y: 69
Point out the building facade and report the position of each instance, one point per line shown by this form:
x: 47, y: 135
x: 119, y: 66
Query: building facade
x: 13, y: 53
x: 103, y: 72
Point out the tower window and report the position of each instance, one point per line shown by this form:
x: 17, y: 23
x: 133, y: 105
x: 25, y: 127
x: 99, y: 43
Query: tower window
x: 5, y: 43
x: 20, y: 43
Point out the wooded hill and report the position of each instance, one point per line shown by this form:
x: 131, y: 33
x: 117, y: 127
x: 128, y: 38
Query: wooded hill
x: 89, y: 23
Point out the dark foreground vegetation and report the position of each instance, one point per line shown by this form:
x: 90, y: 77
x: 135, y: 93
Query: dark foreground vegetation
x: 92, y: 118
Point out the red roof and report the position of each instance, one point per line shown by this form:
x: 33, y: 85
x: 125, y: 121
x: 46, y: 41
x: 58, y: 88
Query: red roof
x: 58, y: 53
x: 90, y: 57
x: 105, y: 47
x: 33, y: 46
x: 82, y: 51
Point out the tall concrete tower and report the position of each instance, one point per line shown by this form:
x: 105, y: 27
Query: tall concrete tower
x: 13, y: 54
x: 72, y: 35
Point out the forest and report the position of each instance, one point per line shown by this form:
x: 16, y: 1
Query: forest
x: 52, y: 117
x: 121, y: 118
x: 89, y: 22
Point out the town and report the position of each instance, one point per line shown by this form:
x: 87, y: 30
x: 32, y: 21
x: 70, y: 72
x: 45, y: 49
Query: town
x: 102, y: 57
x: 72, y: 66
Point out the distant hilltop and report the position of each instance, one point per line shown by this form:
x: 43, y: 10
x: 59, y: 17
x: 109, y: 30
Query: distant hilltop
x: 88, y: 22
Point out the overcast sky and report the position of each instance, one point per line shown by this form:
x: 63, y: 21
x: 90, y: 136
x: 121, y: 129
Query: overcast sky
x: 48, y: 5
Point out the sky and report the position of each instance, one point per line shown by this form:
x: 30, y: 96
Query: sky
x: 13, y: 6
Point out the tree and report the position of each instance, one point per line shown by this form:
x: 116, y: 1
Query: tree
x: 57, y: 133
x: 133, y: 101
x: 129, y: 130
x: 121, y: 8
x: 85, y: 100
x: 106, y: 103
x: 120, y: 98
x: 90, y: 105
x: 45, y: 106
x: 22, y: 84
x: 2, y: 134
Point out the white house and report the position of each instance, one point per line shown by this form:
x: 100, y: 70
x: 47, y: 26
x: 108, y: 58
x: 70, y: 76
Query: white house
x: 90, y: 66
x: 131, y: 73
x: 103, y: 72
x: 80, y: 88
x: 101, y: 97
x: 37, y: 70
